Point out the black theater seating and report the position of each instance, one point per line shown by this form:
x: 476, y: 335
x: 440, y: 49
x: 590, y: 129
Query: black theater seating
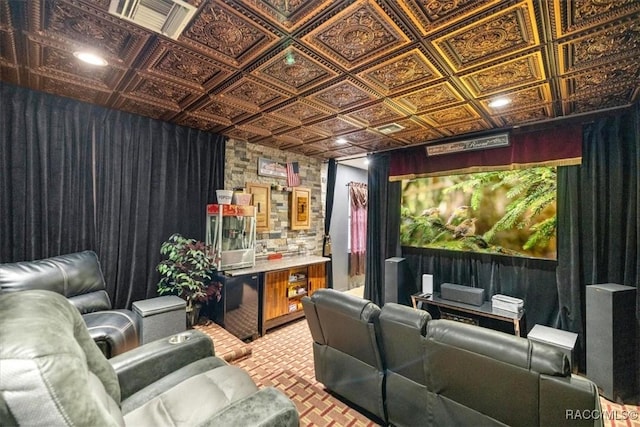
x: 78, y: 277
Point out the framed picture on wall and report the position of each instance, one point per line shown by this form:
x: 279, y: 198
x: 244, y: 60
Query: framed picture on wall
x: 300, y: 208
x: 262, y: 202
x: 271, y: 168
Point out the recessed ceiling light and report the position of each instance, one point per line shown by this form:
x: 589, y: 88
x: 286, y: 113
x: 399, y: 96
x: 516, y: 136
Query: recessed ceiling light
x: 499, y: 102
x: 341, y: 141
x: 90, y: 58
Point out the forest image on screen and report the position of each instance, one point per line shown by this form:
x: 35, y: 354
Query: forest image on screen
x: 508, y: 212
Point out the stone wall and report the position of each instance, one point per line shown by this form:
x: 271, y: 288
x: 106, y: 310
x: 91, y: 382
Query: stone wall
x: 242, y: 167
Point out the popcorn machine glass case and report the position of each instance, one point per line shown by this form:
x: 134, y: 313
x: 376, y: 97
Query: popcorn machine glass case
x: 231, y: 231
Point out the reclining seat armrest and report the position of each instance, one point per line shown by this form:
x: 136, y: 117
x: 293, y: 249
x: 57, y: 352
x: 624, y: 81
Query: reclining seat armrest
x: 115, y: 331
x: 311, y: 314
x: 144, y: 365
x: 266, y: 408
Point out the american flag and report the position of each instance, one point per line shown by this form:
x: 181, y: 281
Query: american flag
x: 293, y: 174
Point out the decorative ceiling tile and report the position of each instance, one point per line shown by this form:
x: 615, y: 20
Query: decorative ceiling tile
x: 143, y: 107
x: 539, y: 113
x: 376, y: 114
x: 524, y: 98
x: 269, y: 123
x: 357, y: 34
x: 77, y: 24
x: 252, y: 94
x: 507, y: 75
x: 185, y: 66
x: 302, y: 134
x: 436, y: 96
x: 226, y: 35
x: 300, y: 112
x: 598, y: 100
x: 294, y: 70
x: 577, y: 15
x: 70, y: 88
x: 342, y: 96
x: 402, y: 72
x: 290, y: 14
x: 7, y: 47
x: 360, y: 137
x: 606, y: 45
x: 432, y: 15
x: 409, y: 125
x: 328, y: 144
x: 419, y: 137
x: 221, y: 111
x: 306, y: 149
x: 170, y: 95
x: 468, y: 127
x: 54, y: 60
x: 244, y: 133
x: 603, y: 79
x: 510, y: 31
x: 195, y: 121
x: 381, y: 144
x: 450, y: 115
x: 336, y: 126
x: 349, y: 151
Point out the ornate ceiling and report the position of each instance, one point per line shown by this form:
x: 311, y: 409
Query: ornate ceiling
x: 300, y: 74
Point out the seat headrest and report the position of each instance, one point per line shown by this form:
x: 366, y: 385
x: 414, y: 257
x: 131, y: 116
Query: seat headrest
x: 510, y: 349
x: 69, y: 275
x: 345, y: 304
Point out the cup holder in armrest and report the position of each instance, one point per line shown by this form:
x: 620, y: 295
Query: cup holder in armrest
x: 179, y: 338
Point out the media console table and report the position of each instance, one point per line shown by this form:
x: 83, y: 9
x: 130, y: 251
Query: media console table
x: 483, y: 315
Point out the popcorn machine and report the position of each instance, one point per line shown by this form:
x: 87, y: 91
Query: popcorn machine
x: 231, y: 231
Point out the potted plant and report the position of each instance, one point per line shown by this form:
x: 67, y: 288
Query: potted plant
x: 187, y: 272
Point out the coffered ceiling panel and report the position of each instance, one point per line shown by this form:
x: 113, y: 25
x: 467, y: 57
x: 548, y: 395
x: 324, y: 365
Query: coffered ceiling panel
x: 330, y: 79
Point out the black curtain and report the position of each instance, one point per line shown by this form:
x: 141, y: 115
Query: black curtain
x: 598, y: 225
x: 77, y: 176
x: 331, y: 188
x: 383, y: 225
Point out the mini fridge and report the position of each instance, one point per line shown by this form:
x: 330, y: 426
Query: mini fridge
x: 237, y: 310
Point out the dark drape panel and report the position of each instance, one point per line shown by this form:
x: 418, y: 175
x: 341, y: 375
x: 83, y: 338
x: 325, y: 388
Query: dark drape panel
x: 77, y: 176
x: 382, y: 224
x: 154, y: 179
x: 598, y: 226
x: 332, y: 168
x: 45, y: 175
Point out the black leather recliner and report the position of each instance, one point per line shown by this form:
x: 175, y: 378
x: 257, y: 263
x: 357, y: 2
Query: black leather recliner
x: 78, y: 277
x: 53, y: 374
x: 346, y: 353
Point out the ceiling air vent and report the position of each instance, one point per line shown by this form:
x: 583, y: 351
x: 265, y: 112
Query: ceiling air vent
x: 390, y: 128
x: 167, y: 17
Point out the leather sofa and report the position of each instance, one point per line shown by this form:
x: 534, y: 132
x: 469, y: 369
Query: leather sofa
x: 446, y: 373
x: 78, y: 277
x: 53, y: 373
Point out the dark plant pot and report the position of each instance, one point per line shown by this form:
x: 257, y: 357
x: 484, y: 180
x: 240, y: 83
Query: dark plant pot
x: 193, y: 315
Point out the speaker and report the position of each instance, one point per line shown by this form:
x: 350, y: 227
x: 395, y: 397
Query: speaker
x: 398, y: 281
x: 464, y: 294
x: 611, y: 339
x: 427, y: 284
